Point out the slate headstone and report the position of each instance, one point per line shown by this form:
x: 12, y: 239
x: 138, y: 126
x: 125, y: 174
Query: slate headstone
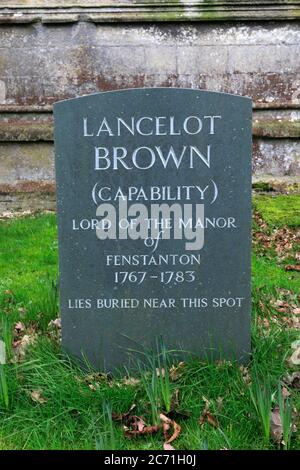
x: 154, y: 220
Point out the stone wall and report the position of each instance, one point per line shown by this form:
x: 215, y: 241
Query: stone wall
x: 69, y: 50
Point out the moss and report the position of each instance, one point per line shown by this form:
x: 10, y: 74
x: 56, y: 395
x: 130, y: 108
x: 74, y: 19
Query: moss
x: 274, y: 128
x: 183, y: 12
x: 209, y: 11
x: 279, y: 210
x: 262, y: 186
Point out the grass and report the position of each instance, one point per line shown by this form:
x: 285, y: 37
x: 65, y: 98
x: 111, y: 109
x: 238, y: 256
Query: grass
x: 261, y: 396
x: 72, y: 409
x: 154, y: 373
x: 285, y: 410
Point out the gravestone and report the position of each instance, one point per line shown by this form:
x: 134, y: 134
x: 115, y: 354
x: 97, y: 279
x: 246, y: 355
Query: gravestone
x: 154, y: 220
